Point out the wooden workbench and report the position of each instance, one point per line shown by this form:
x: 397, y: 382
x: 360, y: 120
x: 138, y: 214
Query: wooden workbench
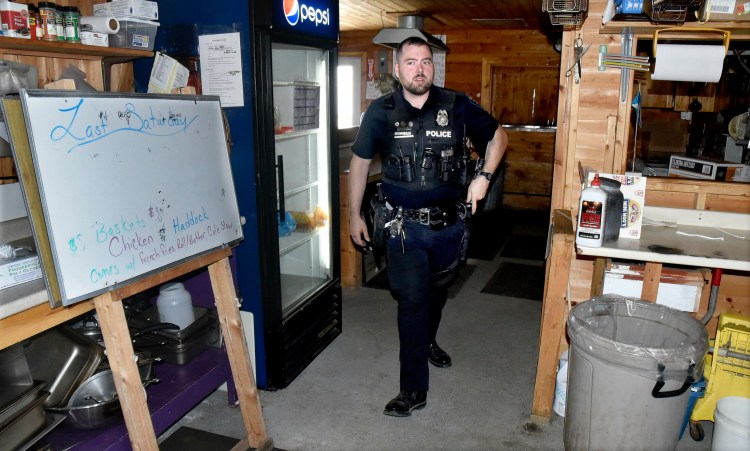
x: 686, y: 237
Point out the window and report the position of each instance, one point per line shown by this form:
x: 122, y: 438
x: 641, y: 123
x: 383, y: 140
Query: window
x: 349, y: 91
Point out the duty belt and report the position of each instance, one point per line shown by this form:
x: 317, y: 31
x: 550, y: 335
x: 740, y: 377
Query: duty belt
x: 437, y: 217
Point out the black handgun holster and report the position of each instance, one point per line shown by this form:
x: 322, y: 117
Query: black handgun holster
x: 380, y: 215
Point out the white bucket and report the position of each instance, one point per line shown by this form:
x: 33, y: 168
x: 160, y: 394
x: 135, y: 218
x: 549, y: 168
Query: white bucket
x: 561, y: 385
x: 732, y: 424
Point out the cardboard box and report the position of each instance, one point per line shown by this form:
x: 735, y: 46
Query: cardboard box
x: 728, y: 10
x: 633, y: 188
x: 135, y: 9
x: 22, y: 269
x: 678, y: 288
x: 97, y: 39
x: 696, y: 168
x: 14, y: 18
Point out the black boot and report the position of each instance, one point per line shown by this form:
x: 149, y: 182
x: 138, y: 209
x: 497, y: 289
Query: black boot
x: 438, y: 357
x: 405, y: 402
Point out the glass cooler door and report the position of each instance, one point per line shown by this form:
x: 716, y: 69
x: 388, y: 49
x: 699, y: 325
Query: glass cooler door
x: 302, y: 143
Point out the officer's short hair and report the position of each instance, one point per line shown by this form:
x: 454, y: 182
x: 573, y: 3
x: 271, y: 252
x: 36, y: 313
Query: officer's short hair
x: 414, y: 40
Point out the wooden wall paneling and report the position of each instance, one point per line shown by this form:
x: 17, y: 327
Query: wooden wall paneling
x: 560, y: 170
x: 528, y: 168
x: 734, y: 297
x: 122, y: 78
x: 624, y: 150
x: 722, y: 203
x: 467, y: 50
x: 7, y: 169
x: 526, y: 202
x: 698, y: 194
x: 609, y: 145
x: 527, y: 178
x: 50, y: 69
x: 654, y: 93
x: 524, y: 95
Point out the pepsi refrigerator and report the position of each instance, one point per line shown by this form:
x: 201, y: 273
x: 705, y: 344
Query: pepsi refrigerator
x: 294, y: 53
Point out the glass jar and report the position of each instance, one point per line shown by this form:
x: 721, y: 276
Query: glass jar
x: 48, y: 21
x: 59, y: 23
x: 71, y: 20
x: 34, y: 26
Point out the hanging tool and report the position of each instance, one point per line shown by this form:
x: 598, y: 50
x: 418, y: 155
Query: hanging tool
x: 579, y: 52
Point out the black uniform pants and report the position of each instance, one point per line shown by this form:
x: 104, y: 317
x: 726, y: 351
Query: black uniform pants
x: 425, y: 252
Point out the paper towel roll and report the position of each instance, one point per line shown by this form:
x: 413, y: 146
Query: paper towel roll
x: 683, y: 62
x: 101, y: 24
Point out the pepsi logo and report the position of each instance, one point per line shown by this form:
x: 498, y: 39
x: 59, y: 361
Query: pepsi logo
x: 295, y: 12
x: 291, y: 11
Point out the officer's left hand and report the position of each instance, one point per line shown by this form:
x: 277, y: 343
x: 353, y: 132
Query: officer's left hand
x: 477, y: 190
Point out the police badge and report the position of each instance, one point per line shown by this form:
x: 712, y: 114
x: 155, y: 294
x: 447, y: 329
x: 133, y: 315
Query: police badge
x: 442, y: 118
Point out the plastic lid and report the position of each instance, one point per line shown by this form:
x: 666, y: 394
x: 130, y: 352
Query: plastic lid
x: 596, y: 181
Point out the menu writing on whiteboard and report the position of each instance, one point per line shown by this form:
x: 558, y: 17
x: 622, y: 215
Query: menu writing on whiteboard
x: 146, y: 184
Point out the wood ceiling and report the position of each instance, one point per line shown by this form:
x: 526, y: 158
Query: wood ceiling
x: 445, y: 15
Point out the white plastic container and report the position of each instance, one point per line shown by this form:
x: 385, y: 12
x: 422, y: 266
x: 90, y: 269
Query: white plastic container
x: 732, y: 426
x: 591, y: 214
x: 561, y: 385
x: 175, y: 305
x: 135, y: 34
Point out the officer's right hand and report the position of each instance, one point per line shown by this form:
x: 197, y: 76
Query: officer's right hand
x: 358, y: 230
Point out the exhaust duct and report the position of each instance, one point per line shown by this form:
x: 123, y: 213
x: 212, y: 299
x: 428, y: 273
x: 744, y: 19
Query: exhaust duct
x: 408, y: 26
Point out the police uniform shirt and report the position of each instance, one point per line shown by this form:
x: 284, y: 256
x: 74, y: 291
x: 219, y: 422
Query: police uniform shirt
x: 373, y: 137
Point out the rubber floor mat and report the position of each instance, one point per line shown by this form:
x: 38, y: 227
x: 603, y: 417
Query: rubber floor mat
x: 525, y: 247
x: 517, y: 281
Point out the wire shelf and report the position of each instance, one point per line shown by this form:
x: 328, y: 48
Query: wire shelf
x: 568, y: 6
x: 670, y: 11
x: 566, y: 18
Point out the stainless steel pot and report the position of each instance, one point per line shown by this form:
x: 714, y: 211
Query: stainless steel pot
x: 92, y: 416
x: 101, y: 386
x: 93, y: 411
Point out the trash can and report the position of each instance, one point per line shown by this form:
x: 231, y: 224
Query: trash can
x: 631, y: 365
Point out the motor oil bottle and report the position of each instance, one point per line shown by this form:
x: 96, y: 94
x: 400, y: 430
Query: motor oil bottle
x: 591, y: 214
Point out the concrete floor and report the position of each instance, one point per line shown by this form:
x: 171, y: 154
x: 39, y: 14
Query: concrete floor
x: 482, y: 402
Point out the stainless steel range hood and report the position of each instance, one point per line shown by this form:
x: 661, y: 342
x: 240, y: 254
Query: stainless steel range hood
x: 408, y: 26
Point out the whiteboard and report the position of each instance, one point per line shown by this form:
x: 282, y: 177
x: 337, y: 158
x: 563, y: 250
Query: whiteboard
x: 130, y: 184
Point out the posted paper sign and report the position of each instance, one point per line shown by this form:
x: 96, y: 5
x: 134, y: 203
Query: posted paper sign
x: 166, y: 74
x: 633, y: 190
x: 221, y: 67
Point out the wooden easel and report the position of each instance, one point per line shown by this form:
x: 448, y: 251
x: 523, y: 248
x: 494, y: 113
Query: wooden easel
x: 120, y: 351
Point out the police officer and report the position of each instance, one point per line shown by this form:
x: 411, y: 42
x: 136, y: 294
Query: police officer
x: 419, y: 132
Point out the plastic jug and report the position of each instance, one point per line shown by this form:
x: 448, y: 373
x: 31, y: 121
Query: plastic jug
x: 175, y: 305
x: 561, y: 385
